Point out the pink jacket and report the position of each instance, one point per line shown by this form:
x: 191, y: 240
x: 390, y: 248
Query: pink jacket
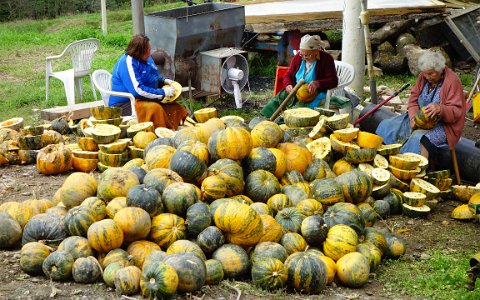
x: 452, y: 103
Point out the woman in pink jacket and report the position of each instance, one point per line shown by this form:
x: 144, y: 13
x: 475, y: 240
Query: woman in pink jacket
x: 440, y: 91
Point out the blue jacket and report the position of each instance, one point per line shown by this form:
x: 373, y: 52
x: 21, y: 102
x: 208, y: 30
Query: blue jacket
x: 136, y: 77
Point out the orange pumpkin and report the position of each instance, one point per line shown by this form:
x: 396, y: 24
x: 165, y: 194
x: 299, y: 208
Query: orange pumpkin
x: 205, y: 130
x: 297, y: 157
x: 159, y: 157
x: 140, y: 249
x: 54, y: 159
x: 272, y: 231
x: 266, y: 134
x: 134, y: 222
x: 105, y: 235
x: 232, y: 142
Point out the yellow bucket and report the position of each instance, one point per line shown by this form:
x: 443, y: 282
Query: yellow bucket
x: 476, y: 107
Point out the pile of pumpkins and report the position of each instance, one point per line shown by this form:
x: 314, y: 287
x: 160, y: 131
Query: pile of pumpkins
x: 225, y: 199
x: 22, y: 145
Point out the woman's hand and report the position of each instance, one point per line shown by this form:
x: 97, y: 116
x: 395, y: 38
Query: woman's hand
x: 168, y: 81
x: 289, y: 88
x: 433, y: 110
x: 168, y: 90
x: 412, y: 124
x: 312, y: 87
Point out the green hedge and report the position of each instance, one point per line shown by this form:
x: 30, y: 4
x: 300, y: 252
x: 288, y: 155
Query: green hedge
x: 11, y: 10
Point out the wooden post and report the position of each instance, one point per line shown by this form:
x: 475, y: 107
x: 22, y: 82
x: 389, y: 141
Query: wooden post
x: 103, y: 5
x: 137, y: 17
x: 353, y: 43
x: 455, y: 166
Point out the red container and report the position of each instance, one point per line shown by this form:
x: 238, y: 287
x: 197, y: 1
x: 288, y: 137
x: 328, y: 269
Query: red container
x: 279, y: 79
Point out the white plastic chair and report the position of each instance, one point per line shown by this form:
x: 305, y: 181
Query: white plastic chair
x: 81, y: 53
x: 345, y: 74
x: 102, y: 79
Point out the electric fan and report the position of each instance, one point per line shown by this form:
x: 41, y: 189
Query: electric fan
x: 234, y: 76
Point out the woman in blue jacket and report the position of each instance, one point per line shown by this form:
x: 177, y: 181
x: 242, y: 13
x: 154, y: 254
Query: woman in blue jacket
x: 136, y: 73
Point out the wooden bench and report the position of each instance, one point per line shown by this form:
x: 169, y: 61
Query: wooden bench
x: 80, y: 111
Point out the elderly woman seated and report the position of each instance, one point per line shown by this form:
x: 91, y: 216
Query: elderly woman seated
x: 316, y: 67
x: 439, y: 93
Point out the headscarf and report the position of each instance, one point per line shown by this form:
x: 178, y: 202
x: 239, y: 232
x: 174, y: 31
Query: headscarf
x: 311, y: 42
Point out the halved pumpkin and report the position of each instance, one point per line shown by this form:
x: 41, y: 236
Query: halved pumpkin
x: 105, y: 133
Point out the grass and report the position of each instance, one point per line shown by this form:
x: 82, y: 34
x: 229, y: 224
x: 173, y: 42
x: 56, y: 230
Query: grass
x: 440, y: 276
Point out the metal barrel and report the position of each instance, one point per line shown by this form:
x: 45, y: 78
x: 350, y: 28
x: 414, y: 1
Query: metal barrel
x: 468, y: 156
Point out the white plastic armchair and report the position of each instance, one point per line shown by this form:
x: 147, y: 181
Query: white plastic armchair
x: 102, y: 79
x: 81, y: 53
x: 345, y: 74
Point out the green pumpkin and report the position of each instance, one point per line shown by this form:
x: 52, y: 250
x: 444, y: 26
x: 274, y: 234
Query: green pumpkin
x: 372, y: 253
x: 153, y: 257
x: 231, y: 172
x: 395, y: 199
x: 198, y: 218
x: 395, y: 246
x: 210, y: 239
x: 290, y: 219
x: 98, y: 207
x: 295, y: 193
x: 127, y: 280
x: 188, y: 166
x: 293, y: 242
x: 377, y: 238
x: 10, y: 231
x: 261, y: 208
x: 356, y: 186
x: 117, y: 255
x: 178, y: 197
x: 86, y: 270
x: 369, y: 214
x: 382, y: 208
x: 158, y: 280
x: 278, y: 202
x: 44, y: 227
x: 58, y: 266
x: 32, y: 256
x: 214, y: 272
x: 78, y: 219
x: 314, y: 230
x: 160, y: 178
x: 345, y: 213
x: 260, y: 185
x: 269, y: 274
x: 234, y: 260
x: 292, y: 177
x: 316, y: 170
x: 269, y: 249
x: 264, y: 159
x: 182, y: 246
x: 190, y: 269
x: 145, y: 197
x: 109, y: 273
x: 77, y: 246
x: 327, y: 191
x: 307, y: 273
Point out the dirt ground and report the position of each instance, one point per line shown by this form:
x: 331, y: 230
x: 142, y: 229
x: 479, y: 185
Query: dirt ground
x: 19, y: 183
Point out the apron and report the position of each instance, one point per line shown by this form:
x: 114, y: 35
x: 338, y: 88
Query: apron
x: 398, y: 130
x: 309, y: 76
